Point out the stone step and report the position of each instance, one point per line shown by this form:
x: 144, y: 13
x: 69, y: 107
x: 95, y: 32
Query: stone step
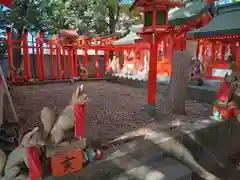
x: 135, y: 160
x: 162, y: 168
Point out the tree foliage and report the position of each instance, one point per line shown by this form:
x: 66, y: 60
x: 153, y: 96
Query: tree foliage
x: 86, y: 15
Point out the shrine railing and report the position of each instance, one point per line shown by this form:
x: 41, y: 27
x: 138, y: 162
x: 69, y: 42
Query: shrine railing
x: 44, y: 60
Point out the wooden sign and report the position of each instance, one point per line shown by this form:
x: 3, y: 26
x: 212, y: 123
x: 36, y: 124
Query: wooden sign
x: 4, y: 92
x: 66, y: 163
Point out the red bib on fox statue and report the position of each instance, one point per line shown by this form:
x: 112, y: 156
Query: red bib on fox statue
x: 80, y: 116
x: 224, y: 92
x: 7, y: 3
x: 34, y: 164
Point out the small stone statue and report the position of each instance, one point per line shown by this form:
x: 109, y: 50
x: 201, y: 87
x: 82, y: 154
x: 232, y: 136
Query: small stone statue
x: 18, y: 157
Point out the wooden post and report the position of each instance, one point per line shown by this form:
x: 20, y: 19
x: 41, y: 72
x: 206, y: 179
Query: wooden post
x: 76, y: 63
x: 85, y: 58
x: 44, y: 76
x: 152, y: 77
x: 52, y: 61
x: 27, y: 70
x: 210, y: 65
x: 170, y: 54
x: 238, y: 58
x: 106, y: 60
x: 223, y: 49
x: 164, y: 50
x: 121, y: 59
x: 203, y: 58
x: 10, y: 56
x: 64, y: 63
x: 97, y: 64
x: 59, y: 67
x: 39, y: 66
x: 142, y: 58
x: 70, y: 59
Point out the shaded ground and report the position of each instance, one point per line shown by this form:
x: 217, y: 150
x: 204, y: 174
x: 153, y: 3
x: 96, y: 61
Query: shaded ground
x: 114, y: 108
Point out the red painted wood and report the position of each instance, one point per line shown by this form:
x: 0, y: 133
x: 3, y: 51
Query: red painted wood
x: 152, y: 74
x: 80, y: 118
x: 7, y: 3
x: 34, y: 164
x: 224, y: 92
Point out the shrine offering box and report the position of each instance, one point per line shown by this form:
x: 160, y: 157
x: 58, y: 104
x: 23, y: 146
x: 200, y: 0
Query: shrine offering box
x: 66, y: 158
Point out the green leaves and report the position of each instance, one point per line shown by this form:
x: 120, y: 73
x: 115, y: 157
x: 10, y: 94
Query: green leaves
x: 98, y: 16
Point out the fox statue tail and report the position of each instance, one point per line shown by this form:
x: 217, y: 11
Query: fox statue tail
x: 48, y: 119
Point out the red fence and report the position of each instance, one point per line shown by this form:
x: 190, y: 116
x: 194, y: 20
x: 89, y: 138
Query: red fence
x: 58, y: 58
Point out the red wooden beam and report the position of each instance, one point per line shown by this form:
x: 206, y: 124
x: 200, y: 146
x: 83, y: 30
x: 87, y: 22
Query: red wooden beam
x: 7, y: 3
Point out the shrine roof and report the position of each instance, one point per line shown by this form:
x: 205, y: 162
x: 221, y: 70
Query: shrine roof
x: 131, y: 38
x: 225, y: 22
x: 191, y: 11
x: 143, y: 3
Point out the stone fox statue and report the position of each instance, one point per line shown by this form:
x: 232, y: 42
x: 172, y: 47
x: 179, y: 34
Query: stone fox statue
x: 61, y: 128
x: 11, y: 164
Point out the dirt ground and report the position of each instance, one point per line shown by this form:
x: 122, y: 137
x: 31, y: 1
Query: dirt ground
x: 114, y: 109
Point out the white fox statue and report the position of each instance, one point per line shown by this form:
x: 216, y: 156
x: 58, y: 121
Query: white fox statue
x: 62, y: 128
x: 12, y: 163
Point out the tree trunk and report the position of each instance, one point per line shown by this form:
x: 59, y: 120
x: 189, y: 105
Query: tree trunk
x: 113, y: 17
x: 179, y: 79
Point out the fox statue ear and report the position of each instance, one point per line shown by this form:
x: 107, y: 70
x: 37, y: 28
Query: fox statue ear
x: 80, y: 90
x: 28, y: 136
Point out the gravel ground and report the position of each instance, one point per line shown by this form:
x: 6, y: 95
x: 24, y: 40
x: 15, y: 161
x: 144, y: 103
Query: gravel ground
x: 114, y: 109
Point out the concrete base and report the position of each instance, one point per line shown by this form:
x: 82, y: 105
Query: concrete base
x: 151, y: 108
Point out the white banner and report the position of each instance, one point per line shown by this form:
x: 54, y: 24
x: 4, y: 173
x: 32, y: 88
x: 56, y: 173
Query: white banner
x: 4, y: 91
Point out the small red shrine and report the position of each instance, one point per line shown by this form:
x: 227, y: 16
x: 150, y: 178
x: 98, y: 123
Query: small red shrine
x: 219, y: 41
x: 171, y: 27
x: 222, y: 35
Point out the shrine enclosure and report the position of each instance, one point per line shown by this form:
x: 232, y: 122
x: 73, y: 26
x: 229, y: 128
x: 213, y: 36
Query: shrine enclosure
x: 60, y: 57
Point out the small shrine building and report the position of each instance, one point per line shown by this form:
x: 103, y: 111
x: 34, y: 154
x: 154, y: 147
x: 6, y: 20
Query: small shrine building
x: 219, y: 41
x: 192, y: 16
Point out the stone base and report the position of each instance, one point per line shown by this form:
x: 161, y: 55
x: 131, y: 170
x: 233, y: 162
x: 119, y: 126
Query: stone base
x: 66, y: 158
x: 151, y: 108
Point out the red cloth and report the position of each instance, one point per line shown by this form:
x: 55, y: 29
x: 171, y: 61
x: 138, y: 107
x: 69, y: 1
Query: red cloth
x: 7, y: 3
x: 80, y: 117
x: 224, y: 92
x: 34, y: 164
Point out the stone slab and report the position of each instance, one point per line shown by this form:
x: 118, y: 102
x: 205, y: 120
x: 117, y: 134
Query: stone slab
x: 203, y: 94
